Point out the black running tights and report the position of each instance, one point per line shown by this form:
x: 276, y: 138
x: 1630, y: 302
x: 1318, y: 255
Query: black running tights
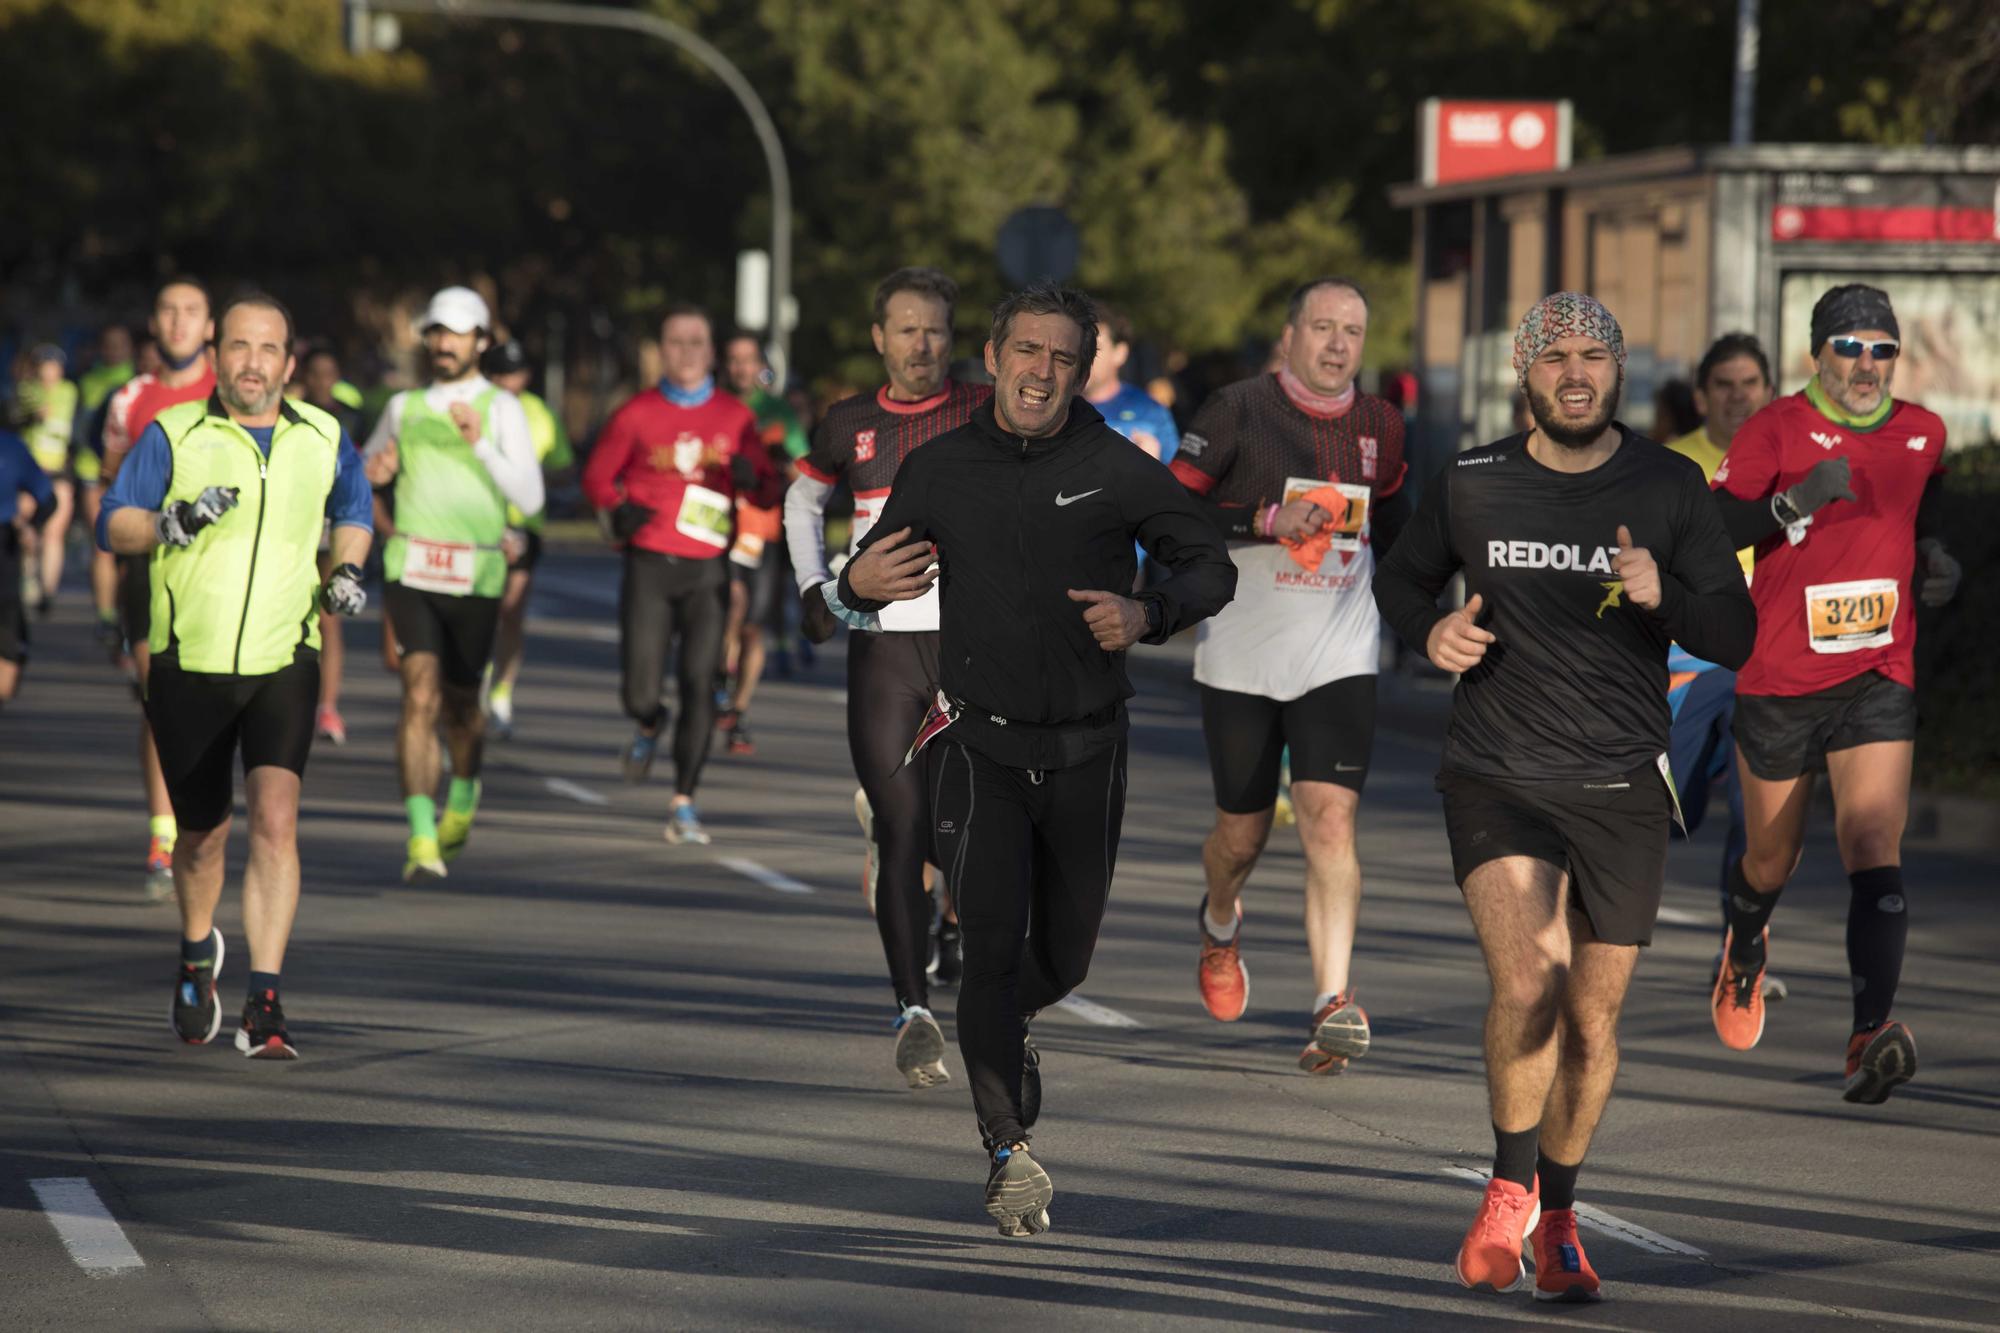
x: 1029, y: 856
x: 891, y: 680
x: 663, y: 596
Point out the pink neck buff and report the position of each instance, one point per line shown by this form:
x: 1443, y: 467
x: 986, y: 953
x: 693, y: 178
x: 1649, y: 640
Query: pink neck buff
x: 1306, y: 400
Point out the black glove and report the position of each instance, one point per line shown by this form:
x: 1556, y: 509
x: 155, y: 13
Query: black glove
x: 818, y: 623
x: 628, y: 518
x: 1941, y: 573
x: 1827, y: 482
x: 743, y: 473
x: 343, y: 594
x: 181, y: 520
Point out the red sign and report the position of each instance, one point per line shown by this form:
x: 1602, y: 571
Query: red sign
x: 1792, y: 222
x: 1464, y: 141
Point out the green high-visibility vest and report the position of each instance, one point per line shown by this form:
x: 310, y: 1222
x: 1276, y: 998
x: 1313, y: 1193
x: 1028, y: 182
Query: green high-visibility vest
x: 243, y: 598
x: 446, y: 501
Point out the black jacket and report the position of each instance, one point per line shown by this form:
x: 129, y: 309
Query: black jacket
x: 1017, y: 524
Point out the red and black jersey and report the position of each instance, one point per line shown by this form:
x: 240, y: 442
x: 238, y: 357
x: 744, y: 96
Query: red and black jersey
x: 1250, y: 437
x: 863, y: 440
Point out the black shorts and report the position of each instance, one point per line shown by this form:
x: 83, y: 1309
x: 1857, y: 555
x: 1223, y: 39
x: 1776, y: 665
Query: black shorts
x: 1786, y: 736
x: 13, y: 610
x: 761, y: 585
x: 200, y: 721
x: 1330, y: 730
x: 1609, y: 836
x: 458, y: 630
x: 135, y: 596
x: 530, y: 557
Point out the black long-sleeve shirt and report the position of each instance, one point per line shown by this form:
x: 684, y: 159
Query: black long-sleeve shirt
x: 1017, y: 524
x: 1575, y: 685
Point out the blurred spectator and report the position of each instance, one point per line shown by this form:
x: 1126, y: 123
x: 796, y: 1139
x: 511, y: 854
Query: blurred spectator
x: 1674, y: 411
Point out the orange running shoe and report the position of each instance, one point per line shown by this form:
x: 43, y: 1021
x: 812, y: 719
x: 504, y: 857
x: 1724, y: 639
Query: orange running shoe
x: 1879, y: 1061
x: 1738, y: 1000
x: 1225, y: 982
x: 1340, y: 1034
x: 1562, y: 1273
x: 1490, y: 1255
x: 159, y: 869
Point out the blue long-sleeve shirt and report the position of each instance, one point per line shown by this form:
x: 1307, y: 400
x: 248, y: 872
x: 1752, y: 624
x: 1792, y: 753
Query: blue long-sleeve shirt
x: 149, y: 469
x: 21, y: 475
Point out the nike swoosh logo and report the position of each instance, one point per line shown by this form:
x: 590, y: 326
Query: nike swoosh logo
x: 1062, y: 499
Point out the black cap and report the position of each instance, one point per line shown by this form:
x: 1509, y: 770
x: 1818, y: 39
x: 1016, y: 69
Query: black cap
x: 1850, y: 308
x: 503, y: 359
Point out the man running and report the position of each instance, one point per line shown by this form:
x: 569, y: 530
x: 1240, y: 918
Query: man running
x: 319, y: 379
x: 181, y: 329
x: 1587, y: 549
x: 228, y: 496
x: 47, y: 408
x: 457, y: 453
x: 115, y: 365
x: 1840, y: 488
x: 19, y: 475
x: 1304, y: 472
x: 665, y: 474
x: 1127, y: 408
x: 506, y: 364
x: 892, y: 668
x: 757, y: 563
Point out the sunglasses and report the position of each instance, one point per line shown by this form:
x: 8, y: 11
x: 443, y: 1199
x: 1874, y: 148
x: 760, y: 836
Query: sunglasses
x: 1853, y: 347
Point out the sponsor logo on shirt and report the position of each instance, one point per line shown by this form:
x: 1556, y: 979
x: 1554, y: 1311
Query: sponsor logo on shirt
x: 864, y: 445
x: 1917, y: 442
x: 1543, y: 555
x: 1370, y: 449
x: 1192, y: 445
x: 1823, y: 440
x: 1475, y: 462
x: 1614, y: 596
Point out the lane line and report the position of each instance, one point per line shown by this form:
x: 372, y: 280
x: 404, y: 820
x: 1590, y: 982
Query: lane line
x: 1609, y: 1223
x: 1090, y: 1011
x: 86, y: 1226
x: 576, y: 791
x: 764, y: 875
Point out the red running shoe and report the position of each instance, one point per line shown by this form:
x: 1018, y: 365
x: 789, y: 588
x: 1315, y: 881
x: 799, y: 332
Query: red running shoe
x: 1879, y: 1061
x: 1562, y: 1272
x: 1737, y: 1002
x: 1224, y: 981
x: 1490, y: 1254
x: 1340, y: 1034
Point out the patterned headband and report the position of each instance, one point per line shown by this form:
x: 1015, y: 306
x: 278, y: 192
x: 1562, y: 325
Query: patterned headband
x: 1564, y: 315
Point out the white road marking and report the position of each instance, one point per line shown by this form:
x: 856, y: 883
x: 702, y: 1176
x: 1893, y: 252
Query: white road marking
x: 764, y: 875
x: 93, y: 1239
x: 576, y: 791
x: 1092, y: 1012
x: 1680, y: 916
x: 1608, y: 1223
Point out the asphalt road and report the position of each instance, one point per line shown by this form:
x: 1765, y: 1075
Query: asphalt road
x: 592, y: 1080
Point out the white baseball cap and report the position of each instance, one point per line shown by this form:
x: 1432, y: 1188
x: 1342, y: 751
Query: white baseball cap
x: 459, y: 309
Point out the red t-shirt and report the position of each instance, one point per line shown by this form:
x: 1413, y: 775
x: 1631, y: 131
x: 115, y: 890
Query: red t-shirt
x: 1840, y: 602
x: 676, y: 461
x: 141, y: 398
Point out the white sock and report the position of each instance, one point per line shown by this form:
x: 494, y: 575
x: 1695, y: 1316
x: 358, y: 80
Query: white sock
x: 1220, y: 934
x: 1324, y: 1000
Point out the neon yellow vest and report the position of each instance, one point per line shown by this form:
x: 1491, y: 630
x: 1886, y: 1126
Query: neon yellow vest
x: 444, y: 494
x: 243, y: 598
x: 551, y: 451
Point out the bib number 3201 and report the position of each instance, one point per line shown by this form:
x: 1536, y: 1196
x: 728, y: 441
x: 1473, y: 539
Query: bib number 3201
x: 1850, y: 617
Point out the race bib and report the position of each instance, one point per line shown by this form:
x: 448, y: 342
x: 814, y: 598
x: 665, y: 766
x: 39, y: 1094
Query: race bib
x: 1346, y: 528
x: 704, y: 516
x: 444, y: 567
x: 1848, y: 617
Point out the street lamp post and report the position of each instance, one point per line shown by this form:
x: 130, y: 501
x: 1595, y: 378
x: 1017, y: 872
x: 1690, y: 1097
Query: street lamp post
x: 358, y: 15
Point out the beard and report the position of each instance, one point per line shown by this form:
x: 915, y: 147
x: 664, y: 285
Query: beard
x: 1579, y: 435
x: 251, y: 407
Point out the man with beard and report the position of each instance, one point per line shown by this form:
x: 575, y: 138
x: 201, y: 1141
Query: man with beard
x: 228, y: 496
x: 1304, y: 474
x: 457, y: 453
x: 892, y: 667
x: 1839, y: 487
x: 1587, y: 549
x: 1026, y: 516
x: 181, y: 331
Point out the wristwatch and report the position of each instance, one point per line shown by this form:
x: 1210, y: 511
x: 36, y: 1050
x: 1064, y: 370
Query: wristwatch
x: 1156, y: 617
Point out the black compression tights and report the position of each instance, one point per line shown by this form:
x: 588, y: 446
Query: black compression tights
x: 891, y: 680
x: 663, y: 597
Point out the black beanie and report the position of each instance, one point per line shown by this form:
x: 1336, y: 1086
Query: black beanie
x: 1854, y: 306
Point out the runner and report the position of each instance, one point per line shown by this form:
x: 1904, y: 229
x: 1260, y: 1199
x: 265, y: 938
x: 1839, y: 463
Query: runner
x: 181, y: 331
x: 757, y: 563
x: 1027, y: 514
x: 115, y: 365
x: 19, y: 475
x: 506, y: 364
x: 1127, y: 408
x: 1840, y: 487
x: 1732, y: 383
x: 319, y: 378
x: 892, y: 671
x: 456, y: 453
x: 1305, y: 474
x: 665, y: 474
x: 1586, y: 548
x: 229, y: 497
x: 47, y: 407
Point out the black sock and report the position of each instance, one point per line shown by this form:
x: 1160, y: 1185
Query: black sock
x: 261, y: 982
x: 196, y: 952
x: 1747, y: 912
x: 1877, y: 926
x: 1558, y: 1181
x: 1514, y: 1155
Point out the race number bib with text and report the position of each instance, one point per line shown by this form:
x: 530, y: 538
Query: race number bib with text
x: 704, y: 516
x: 1849, y: 617
x: 444, y: 567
